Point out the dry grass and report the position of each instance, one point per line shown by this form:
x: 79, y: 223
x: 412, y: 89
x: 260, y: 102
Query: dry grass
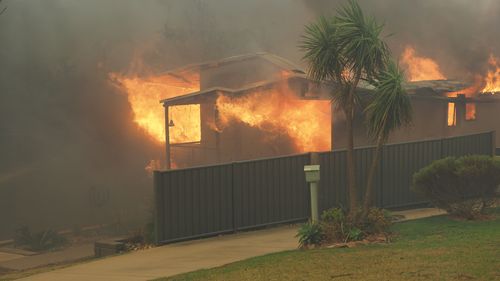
x: 429, y: 249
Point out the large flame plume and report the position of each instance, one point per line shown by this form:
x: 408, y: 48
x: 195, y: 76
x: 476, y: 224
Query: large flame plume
x: 278, y: 111
x: 420, y: 68
x: 144, y: 95
x: 492, y: 78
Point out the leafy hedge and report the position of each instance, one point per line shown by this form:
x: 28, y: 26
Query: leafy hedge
x: 464, y: 187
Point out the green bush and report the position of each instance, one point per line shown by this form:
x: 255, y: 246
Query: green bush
x: 310, y: 234
x: 337, y: 226
x: 464, y: 187
x: 39, y: 241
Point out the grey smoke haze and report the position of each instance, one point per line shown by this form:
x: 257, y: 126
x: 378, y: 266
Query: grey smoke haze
x: 66, y: 136
x: 459, y: 34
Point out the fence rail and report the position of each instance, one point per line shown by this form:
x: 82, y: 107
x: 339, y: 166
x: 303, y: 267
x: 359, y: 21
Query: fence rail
x: 205, y: 201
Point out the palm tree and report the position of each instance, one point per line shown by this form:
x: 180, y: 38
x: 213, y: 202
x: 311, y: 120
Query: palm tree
x: 345, y: 50
x: 389, y: 110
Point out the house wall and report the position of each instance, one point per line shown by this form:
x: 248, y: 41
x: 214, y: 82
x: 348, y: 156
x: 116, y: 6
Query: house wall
x: 236, y: 142
x: 487, y: 119
x: 429, y: 121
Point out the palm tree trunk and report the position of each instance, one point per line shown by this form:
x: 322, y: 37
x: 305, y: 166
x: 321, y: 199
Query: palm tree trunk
x: 351, y: 165
x: 368, y: 200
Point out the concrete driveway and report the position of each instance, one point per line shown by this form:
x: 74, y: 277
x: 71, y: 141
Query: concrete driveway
x: 178, y: 258
x: 194, y: 255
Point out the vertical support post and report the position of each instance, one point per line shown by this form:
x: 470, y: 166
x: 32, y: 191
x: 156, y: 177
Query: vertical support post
x: 217, y: 134
x: 460, y: 111
x: 314, y: 201
x: 167, y: 138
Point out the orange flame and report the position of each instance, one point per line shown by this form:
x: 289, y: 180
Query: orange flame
x: 452, y: 114
x: 492, y: 79
x: 144, y: 95
x: 470, y: 111
x: 278, y: 111
x: 420, y: 68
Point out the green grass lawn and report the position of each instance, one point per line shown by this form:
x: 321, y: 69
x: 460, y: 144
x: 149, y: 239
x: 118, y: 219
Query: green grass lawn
x: 435, y: 248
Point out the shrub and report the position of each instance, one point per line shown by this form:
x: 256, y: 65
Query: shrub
x: 377, y: 221
x: 40, y: 241
x: 463, y: 187
x: 337, y: 226
x: 310, y: 234
x: 334, y: 224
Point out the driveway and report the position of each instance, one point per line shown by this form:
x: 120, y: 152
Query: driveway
x: 178, y: 258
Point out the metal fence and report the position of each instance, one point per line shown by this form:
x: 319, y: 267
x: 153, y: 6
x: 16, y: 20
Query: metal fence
x: 206, y: 201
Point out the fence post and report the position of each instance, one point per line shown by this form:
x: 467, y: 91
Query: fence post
x: 158, y: 207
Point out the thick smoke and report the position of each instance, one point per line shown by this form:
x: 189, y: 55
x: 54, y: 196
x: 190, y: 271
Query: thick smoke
x: 70, y: 154
x: 458, y: 34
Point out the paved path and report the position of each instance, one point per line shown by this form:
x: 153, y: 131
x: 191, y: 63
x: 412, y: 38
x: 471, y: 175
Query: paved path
x: 189, y: 256
x: 178, y: 258
x: 21, y: 262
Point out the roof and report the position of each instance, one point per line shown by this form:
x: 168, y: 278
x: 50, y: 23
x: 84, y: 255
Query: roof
x: 263, y: 85
x: 189, y: 73
x: 439, y: 86
x: 433, y: 89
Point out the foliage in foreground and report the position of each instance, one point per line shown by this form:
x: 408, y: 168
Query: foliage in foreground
x: 464, y: 187
x: 38, y: 241
x: 336, y: 226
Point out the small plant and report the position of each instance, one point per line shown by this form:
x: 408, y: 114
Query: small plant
x: 40, y: 241
x: 339, y: 227
x: 334, y: 224
x: 310, y: 234
x: 354, y: 234
x: 464, y: 187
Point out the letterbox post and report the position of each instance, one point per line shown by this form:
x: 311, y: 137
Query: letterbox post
x: 312, y: 177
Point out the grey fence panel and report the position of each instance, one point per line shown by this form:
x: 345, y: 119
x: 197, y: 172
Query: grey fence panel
x: 498, y: 151
x: 210, y: 200
x: 334, y: 185
x: 194, y: 202
x: 474, y: 144
x: 399, y: 163
x: 270, y: 191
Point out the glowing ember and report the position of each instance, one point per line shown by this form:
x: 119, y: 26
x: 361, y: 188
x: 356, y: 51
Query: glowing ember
x: 420, y: 68
x: 470, y: 111
x: 492, y: 79
x: 278, y: 111
x: 144, y: 95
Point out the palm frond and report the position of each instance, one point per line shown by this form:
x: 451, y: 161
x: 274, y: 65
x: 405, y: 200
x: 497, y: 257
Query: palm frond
x: 391, y: 107
x: 321, y: 50
x: 360, y: 42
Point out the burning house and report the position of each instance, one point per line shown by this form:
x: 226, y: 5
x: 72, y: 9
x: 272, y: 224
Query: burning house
x: 260, y: 105
x: 247, y: 107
